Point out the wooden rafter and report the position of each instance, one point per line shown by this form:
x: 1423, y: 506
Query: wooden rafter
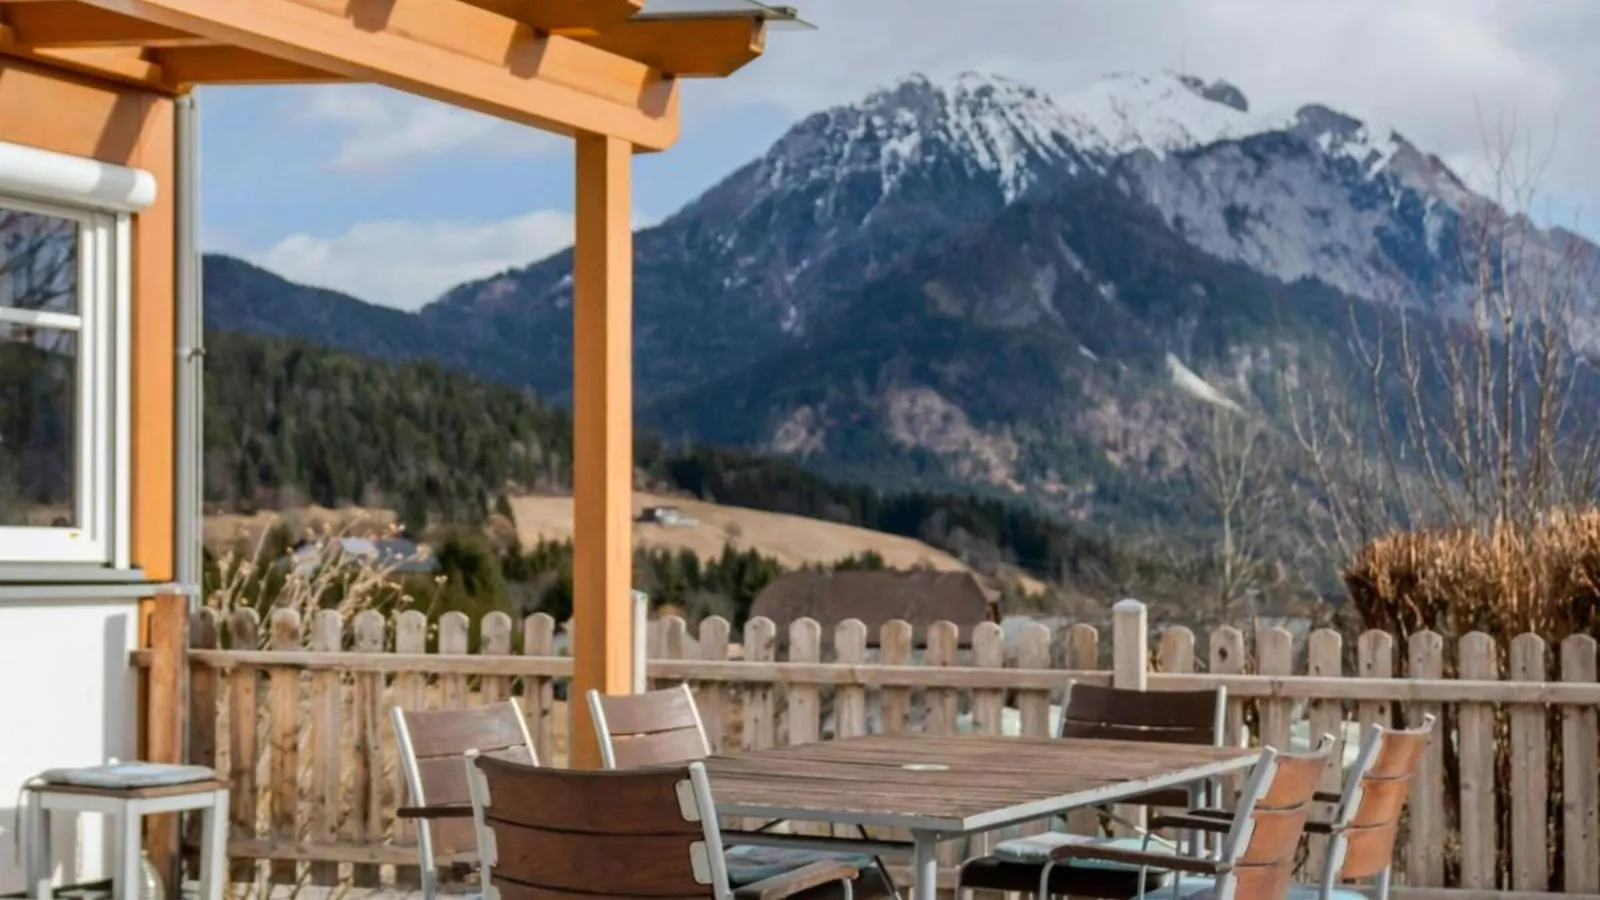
x: 564, y: 17
x: 446, y: 50
x: 126, y: 65
x: 61, y: 24
x: 184, y: 67
x: 710, y: 45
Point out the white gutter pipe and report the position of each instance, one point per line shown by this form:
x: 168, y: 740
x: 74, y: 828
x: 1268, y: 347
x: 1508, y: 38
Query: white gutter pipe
x: 188, y: 560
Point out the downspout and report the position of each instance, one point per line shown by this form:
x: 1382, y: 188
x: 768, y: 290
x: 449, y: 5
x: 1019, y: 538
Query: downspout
x: 191, y: 353
x: 641, y: 640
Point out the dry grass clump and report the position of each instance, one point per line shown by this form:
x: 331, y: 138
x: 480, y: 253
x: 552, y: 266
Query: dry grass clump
x: 269, y: 576
x: 1504, y: 581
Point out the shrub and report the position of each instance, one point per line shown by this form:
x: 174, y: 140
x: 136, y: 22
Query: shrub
x: 1503, y: 581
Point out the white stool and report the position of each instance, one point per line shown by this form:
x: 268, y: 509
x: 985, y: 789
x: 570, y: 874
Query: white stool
x: 129, y: 806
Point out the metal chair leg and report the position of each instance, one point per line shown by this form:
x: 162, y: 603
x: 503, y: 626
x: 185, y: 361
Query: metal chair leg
x: 883, y: 870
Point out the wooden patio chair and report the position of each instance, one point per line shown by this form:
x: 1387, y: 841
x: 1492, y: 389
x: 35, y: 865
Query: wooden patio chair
x: 559, y: 834
x: 432, y: 744
x: 664, y: 727
x: 1254, y: 859
x: 1116, y: 714
x: 1366, y: 818
x: 1167, y: 717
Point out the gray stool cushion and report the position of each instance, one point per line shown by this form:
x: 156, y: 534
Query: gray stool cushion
x: 128, y: 776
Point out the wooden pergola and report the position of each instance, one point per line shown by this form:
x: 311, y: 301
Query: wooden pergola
x: 601, y: 71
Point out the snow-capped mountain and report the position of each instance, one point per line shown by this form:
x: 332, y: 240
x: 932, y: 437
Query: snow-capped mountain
x: 839, y: 200
x: 920, y: 158
x: 849, y: 194
x: 972, y: 280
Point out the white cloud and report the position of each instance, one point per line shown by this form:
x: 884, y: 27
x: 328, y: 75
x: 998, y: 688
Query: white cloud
x: 406, y: 263
x: 1436, y: 70
x: 380, y: 129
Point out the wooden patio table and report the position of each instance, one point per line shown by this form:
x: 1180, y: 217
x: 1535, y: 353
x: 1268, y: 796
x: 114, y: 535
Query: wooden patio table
x: 943, y: 788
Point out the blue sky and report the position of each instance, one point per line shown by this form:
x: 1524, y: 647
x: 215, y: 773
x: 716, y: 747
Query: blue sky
x: 271, y: 164
x: 395, y: 199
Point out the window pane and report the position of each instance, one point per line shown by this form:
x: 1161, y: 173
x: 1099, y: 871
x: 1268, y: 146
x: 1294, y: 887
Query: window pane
x: 38, y: 426
x: 38, y: 261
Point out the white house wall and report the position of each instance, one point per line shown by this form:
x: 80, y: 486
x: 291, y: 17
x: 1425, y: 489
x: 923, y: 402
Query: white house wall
x: 67, y: 698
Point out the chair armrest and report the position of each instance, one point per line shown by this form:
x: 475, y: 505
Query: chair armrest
x: 1327, y: 797
x: 1169, y: 861
x: 1194, y: 820
x: 781, y: 887
x: 454, y: 811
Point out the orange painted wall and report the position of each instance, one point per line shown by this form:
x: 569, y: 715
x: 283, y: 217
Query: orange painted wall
x: 67, y: 113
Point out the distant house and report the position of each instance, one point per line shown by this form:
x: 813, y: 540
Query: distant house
x: 665, y: 515
x: 402, y: 556
x: 875, y: 597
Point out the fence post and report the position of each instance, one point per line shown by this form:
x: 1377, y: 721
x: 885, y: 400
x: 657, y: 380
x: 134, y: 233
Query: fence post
x: 164, y: 726
x: 1130, y: 645
x: 1130, y: 658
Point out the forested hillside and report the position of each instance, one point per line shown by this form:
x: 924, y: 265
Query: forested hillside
x: 289, y: 423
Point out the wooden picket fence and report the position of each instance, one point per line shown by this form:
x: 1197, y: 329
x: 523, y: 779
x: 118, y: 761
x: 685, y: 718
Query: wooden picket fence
x: 1507, y: 800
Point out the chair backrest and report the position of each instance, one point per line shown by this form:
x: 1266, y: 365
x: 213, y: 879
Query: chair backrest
x: 432, y: 743
x: 1269, y: 822
x: 562, y: 834
x: 1374, y: 795
x: 1170, y: 717
x: 656, y: 728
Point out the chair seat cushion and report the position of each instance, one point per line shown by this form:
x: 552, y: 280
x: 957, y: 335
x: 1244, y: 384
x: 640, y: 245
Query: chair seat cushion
x: 1035, y: 850
x: 749, y: 863
x: 1204, y: 887
x: 994, y: 874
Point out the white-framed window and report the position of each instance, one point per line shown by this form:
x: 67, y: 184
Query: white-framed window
x: 65, y: 285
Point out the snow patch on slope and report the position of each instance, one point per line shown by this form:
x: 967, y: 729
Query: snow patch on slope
x: 1161, y: 113
x: 1013, y: 131
x: 1185, y: 379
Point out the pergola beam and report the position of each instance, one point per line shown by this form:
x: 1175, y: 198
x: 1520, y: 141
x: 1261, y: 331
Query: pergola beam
x: 61, y: 24
x: 444, y: 50
x: 184, y: 67
x: 564, y: 17
x: 707, y: 45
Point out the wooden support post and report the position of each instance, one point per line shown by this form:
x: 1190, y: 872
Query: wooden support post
x: 602, y: 568
x: 1130, y: 668
x: 165, y: 719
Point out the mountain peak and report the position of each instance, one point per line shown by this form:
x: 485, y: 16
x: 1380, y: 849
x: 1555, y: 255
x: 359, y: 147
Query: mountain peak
x: 1162, y: 113
x: 1008, y: 130
x: 1373, y: 147
x: 989, y: 124
x: 1218, y: 91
